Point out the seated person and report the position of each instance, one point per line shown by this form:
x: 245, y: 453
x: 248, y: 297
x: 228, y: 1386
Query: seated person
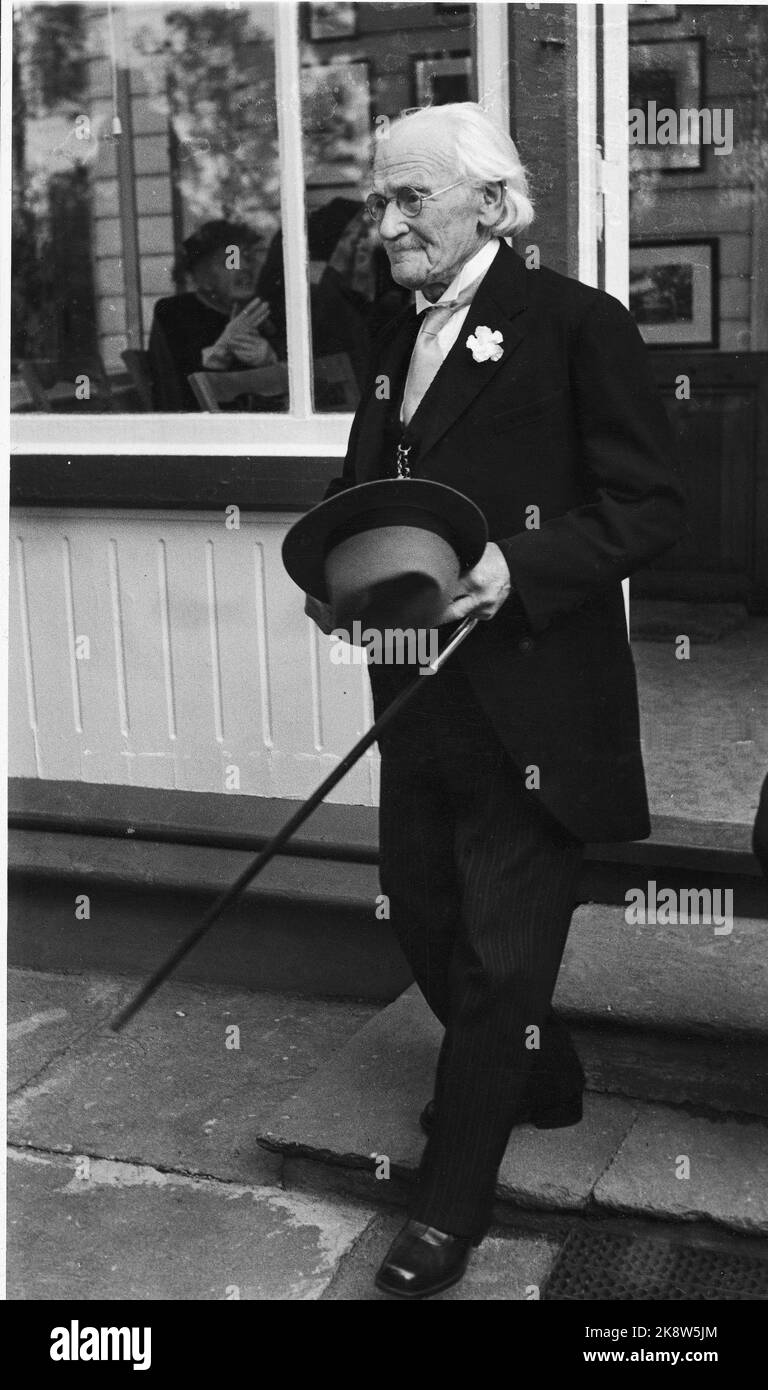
x: 213, y: 327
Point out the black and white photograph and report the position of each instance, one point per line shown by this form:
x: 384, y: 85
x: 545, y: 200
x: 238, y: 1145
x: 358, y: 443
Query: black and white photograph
x: 387, y: 654
x: 443, y: 80
x: 672, y: 291
x: 334, y: 21
x: 665, y: 80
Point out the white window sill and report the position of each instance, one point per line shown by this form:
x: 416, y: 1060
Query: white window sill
x: 258, y: 435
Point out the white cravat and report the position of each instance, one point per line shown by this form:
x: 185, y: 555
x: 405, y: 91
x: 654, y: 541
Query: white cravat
x: 473, y: 269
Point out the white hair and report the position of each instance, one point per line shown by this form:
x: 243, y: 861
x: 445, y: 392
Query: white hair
x: 484, y: 153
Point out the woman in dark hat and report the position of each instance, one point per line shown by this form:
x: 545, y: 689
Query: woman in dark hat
x: 216, y: 326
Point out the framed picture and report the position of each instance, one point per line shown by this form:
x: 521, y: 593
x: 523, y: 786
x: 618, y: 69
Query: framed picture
x: 335, y: 120
x: 440, y: 80
x: 332, y: 21
x: 673, y: 292
x: 665, y: 78
x: 652, y: 14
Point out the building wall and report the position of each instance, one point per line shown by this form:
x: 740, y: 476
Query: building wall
x: 165, y: 649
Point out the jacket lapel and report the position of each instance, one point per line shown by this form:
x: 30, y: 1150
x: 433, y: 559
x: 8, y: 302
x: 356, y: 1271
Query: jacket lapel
x: 498, y: 304
x: 392, y: 364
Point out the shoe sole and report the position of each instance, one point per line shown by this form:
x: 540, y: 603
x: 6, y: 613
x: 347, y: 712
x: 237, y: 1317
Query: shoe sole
x: 415, y: 1297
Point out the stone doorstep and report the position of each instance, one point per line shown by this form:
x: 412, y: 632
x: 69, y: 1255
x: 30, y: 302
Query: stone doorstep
x: 625, y: 1157
x: 665, y: 977
x: 722, y: 1075
x: 677, y: 978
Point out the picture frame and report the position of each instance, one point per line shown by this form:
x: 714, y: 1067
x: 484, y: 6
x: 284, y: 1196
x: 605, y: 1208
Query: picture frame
x: 665, y: 75
x: 335, y: 118
x: 653, y: 14
x: 332, y: 21
x: 446, y: 11
x: 673, y: 291
x: 440, y: 80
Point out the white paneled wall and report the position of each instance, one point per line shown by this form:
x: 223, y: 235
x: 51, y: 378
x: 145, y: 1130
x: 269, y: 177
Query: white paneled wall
x: 164, y: 649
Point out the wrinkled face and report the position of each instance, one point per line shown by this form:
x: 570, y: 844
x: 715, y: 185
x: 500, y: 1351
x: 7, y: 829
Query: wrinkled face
x: 427, y: 251
x: 216, y: 276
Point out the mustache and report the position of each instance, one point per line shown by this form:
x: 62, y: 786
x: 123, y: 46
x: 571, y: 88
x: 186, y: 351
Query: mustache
x: 397, y: 245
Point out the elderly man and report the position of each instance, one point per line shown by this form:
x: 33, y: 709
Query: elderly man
x: 532, y: 394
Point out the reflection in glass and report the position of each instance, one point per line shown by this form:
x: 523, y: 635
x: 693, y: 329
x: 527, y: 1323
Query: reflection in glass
x: 699, y: 292
x: 354, y: 79
x: 135, y: 126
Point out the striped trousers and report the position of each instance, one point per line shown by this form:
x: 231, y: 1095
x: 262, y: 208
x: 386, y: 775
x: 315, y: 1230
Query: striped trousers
x: 481, y: 882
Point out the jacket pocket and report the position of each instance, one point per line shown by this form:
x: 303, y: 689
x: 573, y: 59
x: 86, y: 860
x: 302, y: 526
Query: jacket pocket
x: 532, y: 410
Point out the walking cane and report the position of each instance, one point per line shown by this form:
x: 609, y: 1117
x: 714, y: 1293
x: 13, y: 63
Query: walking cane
x: 282, y: 837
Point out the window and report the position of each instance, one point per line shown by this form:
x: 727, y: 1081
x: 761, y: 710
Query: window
x: 140, y: 130
x: 698, y: 287
x: 136, y: 125
x: 360, y: 66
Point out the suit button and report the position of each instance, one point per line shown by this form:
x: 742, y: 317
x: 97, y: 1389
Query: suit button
x: 526, y: 645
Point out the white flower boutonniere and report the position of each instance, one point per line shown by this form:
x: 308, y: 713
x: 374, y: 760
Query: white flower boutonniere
x: 485, y: 344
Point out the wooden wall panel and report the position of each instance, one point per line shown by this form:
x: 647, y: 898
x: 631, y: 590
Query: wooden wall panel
x: 162, y: 649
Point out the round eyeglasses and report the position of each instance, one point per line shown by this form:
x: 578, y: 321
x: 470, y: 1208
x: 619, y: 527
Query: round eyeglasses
x: 409, y: 201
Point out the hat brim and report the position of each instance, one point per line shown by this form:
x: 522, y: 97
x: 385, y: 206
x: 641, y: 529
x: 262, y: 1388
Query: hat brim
x: 311, y: 537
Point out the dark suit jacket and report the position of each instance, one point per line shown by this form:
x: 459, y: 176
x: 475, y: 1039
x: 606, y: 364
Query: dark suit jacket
x: 568, y: 421
x: 181, y: 327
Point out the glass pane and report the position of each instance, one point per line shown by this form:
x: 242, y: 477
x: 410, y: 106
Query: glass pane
x: 136, y: 128
x: 361, y: 65
x: 699, y: 292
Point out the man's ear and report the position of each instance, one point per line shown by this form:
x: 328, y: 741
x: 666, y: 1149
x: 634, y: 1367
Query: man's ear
x: 492, y: 203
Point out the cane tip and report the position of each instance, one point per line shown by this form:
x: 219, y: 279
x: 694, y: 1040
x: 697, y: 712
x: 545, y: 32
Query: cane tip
x: 119, y: 1020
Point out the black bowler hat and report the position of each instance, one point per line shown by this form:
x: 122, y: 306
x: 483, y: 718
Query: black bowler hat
x: 386, y: 554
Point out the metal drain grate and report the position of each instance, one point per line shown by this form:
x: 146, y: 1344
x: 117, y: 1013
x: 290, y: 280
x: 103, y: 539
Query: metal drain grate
x: 595, y: 1265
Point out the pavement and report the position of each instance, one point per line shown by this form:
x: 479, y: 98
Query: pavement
x: 703, y: 721
x: 138, y: 1167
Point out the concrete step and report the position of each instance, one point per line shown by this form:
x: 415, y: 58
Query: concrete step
x: 353, y: 1128
x: 305, y: 926
x: 311, y: 926
x: 682, y: 978
x: 678, y: 851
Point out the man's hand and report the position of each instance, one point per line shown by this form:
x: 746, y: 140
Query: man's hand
x: 320, y: 613
x: 482, y: 590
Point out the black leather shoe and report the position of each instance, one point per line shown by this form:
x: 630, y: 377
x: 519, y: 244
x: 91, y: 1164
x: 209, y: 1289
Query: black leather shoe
x: 548, y: 1115
x: 423, y: 1261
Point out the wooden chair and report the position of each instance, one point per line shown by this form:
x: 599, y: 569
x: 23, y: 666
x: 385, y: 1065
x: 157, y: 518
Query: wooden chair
x: 137, y: 364
x: 214, y: 389
x: 333, y: 375
x: 51, y: 384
